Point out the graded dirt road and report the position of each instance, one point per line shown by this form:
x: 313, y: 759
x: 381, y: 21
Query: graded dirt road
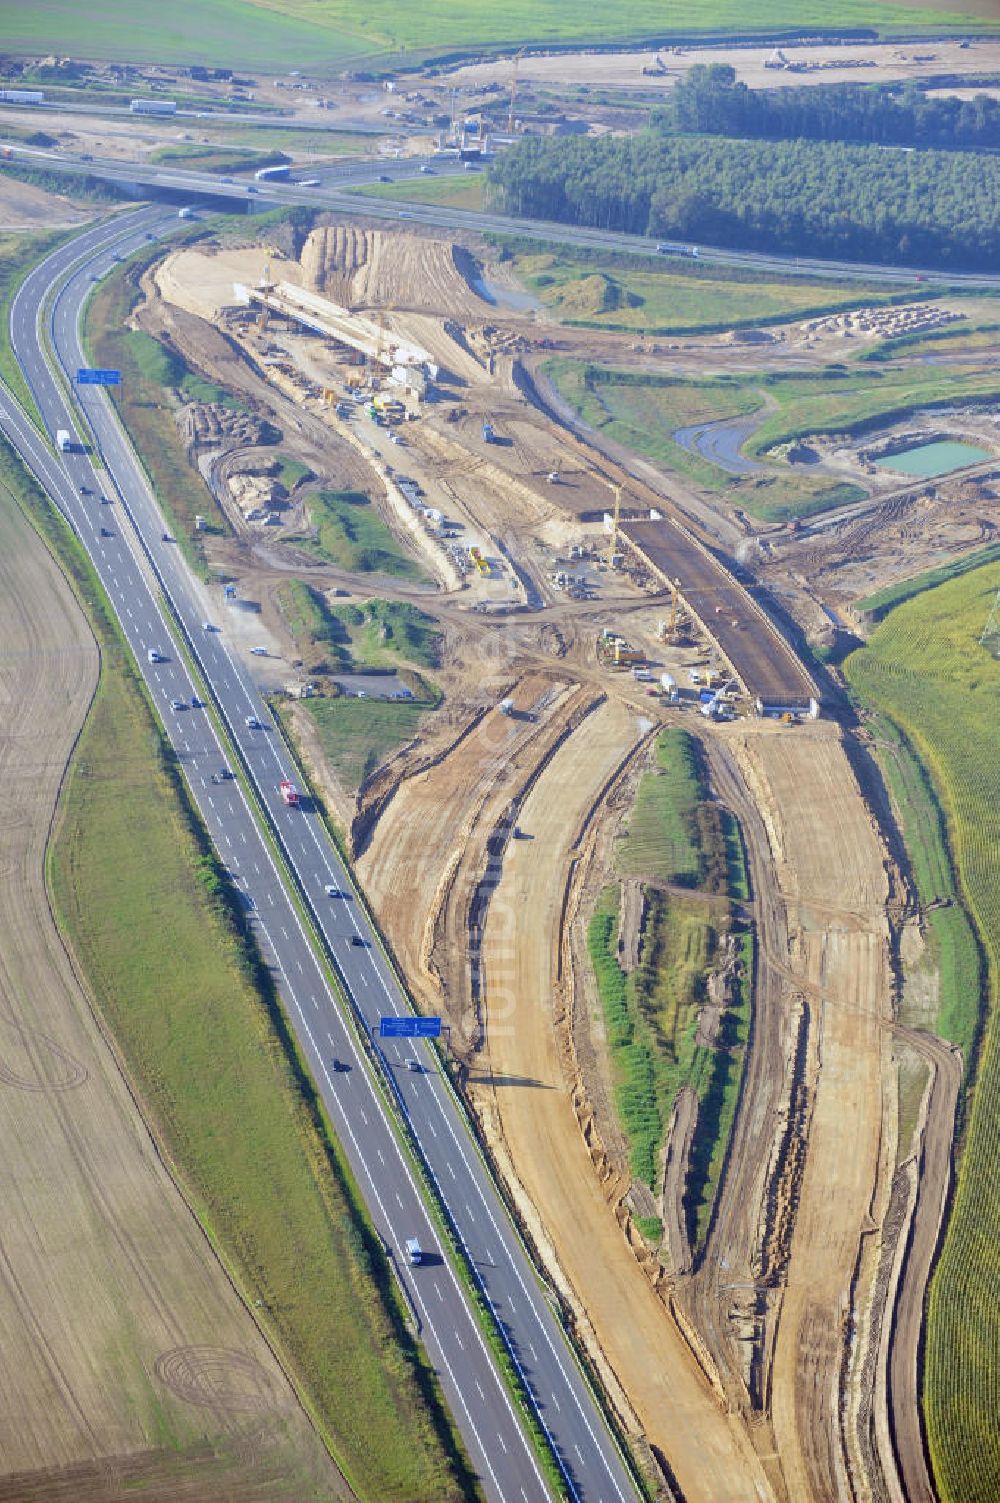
x: 125, y: 1351
x: 830, y: 869
x: 523, y: 1096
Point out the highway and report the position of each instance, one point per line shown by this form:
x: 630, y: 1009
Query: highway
x: 158, y: 602
x: 137, y: 176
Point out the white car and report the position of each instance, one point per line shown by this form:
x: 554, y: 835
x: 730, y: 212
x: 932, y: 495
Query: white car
x: 331, y: 891
x: 178, y: 704
x: 207, y: 626
x: 252, y: 723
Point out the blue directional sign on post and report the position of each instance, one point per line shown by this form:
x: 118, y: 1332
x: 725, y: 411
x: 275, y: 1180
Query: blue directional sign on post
x: 409, y: 1028
x: 90, y: 377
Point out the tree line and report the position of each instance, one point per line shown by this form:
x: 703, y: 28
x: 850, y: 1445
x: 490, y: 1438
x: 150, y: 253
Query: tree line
x: 934, y: 208
x: 709, y: 101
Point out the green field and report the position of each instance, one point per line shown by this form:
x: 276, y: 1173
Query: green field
x: 377, y: 634
x: 673, y: 297
x: 322, y: 36
x: 924, y: 670
x: 642, y: 412
x: 348, y: 532
x: 674, y: 835
x: 463, y: 191
x: 177, y: 979
x: 357, y: 735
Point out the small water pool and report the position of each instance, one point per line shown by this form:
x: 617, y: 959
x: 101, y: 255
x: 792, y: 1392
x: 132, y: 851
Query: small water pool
x: 502, y: 296
x: 929, y: 460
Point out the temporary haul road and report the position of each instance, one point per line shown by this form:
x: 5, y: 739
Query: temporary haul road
x: 136, y: 567
x: 136, y: 176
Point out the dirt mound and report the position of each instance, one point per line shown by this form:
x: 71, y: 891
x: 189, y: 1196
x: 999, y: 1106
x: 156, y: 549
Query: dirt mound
x: 371, y: 269
x: 592, y: 295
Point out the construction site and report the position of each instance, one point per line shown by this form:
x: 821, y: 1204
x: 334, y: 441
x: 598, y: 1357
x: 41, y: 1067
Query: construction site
x: 583, y: 609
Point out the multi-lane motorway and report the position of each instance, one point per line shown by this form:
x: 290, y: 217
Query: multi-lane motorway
x: 173, y: 180
x: 107, y: 501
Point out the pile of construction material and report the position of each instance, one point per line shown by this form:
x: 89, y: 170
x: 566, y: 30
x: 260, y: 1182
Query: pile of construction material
x: 210, y: 425
x: 882, y: 323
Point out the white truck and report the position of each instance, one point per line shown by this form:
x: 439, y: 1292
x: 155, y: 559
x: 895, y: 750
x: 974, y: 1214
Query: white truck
x: 64, y: 441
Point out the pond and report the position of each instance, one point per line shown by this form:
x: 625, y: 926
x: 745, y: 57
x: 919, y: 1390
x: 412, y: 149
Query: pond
x: 502, y: 296
x: 930, y: 460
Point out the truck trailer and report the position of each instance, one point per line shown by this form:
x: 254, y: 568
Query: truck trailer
x: 153, y: 106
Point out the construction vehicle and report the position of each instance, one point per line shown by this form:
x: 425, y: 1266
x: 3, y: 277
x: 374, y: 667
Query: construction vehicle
x: 289, y: 793
x: 489, y: 435
x: 481, y: 563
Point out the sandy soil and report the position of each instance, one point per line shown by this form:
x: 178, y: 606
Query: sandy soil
x: 880, y: 63
x: 117, y: 1324
x: 829, y: 865
x: 25, y: 207
x: 523, y: 1094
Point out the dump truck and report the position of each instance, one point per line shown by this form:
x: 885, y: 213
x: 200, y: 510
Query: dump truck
x: 289, y: 793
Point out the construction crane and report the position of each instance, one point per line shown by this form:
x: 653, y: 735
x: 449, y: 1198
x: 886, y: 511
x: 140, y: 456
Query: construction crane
x: 675, y: 595
x: 513, y: 90
x: 267, y: 287
x: 613, y: 544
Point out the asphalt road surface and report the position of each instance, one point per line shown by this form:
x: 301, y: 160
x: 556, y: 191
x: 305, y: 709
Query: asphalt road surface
x: 115, y: 515
x: 246, y: 196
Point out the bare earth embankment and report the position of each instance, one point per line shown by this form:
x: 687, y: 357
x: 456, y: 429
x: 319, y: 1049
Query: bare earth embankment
x: 127, y: 1358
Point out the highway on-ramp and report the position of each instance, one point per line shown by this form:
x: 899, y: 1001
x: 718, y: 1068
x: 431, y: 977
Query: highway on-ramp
x: 159, y: 604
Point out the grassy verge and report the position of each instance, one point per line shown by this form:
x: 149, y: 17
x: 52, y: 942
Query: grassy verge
x: 924, y: 670
x: 350, y: 534
x: 359, y: 734
x: 195, y: 1014
x: 18, y: 254
x: 152, y: 380
x: 454, y: 191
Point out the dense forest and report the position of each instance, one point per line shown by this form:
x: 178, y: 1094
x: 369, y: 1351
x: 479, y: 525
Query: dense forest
x: 708, y: 100
x: 929, y: 208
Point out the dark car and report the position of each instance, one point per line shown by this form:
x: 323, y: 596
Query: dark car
x: 340, y: 1066
x: 357, y: 940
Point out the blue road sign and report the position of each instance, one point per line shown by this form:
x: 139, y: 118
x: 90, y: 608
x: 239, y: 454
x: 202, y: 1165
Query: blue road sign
x: 409, y: 1028
x: 88, y: 377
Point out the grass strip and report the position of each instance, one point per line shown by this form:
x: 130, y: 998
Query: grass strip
x: 925, y: 671
x: 18, y: 255
x: 195, y: 1013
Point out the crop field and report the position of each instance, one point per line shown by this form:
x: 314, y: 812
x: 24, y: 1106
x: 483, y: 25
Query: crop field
x: 924, y: 669
x: 192, y: 1012
x: 455, y: 192
x: 350, y: 534
x: 610, y: 292
x: 299, y: 33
